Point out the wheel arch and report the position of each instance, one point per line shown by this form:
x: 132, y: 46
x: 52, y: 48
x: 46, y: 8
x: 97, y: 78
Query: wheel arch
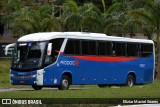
x: 69, y: 74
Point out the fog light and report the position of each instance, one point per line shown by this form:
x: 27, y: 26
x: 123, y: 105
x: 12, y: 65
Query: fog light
x: 33, y: 76
x: 35, y: 82
x: 55, y: 80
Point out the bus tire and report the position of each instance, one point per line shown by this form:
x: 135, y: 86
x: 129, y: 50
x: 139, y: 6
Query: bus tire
x: 65, y: 82
x: 35, y: 87
x: 130, y: 81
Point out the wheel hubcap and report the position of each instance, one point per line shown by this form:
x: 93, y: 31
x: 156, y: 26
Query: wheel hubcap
x: 130, y: 82
x: 65, y: 83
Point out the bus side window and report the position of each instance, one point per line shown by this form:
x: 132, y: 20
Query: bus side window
x: 120, y: 49
x: 104, y: 48
x: 108, y: 48
x: 69, y: 49
x: 84, y: 47
x: 77, y: 50
x: 56, y: 45
x: 88, y: 47
x: 72, y: 47
x: 101, y: 48
x: 113, y: 49
x: 146, y: 50
x: 92, y: 47
x: 132, y: 50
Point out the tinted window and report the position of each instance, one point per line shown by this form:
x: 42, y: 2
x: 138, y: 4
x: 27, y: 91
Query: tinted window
x: 101, y: 48
x: 108, y: 46
x: 132, y: 49
x: 72, y: 47
x: 69, y: 49
x: 77, y: 47
x: 92, y: 47
x: 120, y: 49
x: 84, y: 47
x: 104, y: 48
x: 88, y: 47
x: 146, y: 50
x: 56, y: 45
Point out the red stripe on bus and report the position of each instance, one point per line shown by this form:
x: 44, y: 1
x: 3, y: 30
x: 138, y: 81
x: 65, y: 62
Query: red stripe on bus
x: 104, y: 59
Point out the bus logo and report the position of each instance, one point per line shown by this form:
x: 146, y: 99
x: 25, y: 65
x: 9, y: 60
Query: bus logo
x: 72, y: 63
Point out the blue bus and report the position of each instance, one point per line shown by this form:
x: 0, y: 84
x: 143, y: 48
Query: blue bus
x: 61, y: 59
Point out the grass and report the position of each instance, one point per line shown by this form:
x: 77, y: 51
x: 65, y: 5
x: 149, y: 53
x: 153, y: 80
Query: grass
x: 4, y: 65
x: 4, y: 72
x: 141, y: 91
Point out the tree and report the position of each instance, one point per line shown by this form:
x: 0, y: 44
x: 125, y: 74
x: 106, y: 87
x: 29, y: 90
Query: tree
x: 32, y: 19
x: 119, y: 21
x: 148, y: 10
x: 70, y: 16
x: 83, y: 18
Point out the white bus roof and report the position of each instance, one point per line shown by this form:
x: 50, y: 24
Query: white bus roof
x: 76, y: 35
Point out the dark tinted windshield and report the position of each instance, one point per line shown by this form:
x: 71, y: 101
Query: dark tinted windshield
x: 28, y: 55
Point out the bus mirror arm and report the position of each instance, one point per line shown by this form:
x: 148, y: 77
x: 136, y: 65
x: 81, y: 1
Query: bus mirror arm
x: 7, y: 48
x: 57, y: 51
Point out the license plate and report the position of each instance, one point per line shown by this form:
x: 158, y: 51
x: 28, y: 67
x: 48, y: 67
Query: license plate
x: 21, y: 82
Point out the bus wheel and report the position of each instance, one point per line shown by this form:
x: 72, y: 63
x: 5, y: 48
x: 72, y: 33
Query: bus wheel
x: 65, y: 82
x: 130, y: 81
x: 35, y: 87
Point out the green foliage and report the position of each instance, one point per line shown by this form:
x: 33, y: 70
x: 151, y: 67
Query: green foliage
x: 4, y: 65
x: 27, y: 20
x: 81, y: 18
x: 104, y: 6
x: 119, y: 21
x: 150, y: 13
x: 4, y: 72
x: 12, y: 5
x: 123, y: 16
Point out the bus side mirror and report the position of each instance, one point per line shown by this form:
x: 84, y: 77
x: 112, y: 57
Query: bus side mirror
x: 49, y: 49
x: 7, y: 48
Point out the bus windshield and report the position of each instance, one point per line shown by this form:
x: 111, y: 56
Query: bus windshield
x: 28, y: 56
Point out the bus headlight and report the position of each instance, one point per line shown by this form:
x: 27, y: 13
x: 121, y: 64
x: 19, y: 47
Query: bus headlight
x: 33, y: 76
x: 41, y: 73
